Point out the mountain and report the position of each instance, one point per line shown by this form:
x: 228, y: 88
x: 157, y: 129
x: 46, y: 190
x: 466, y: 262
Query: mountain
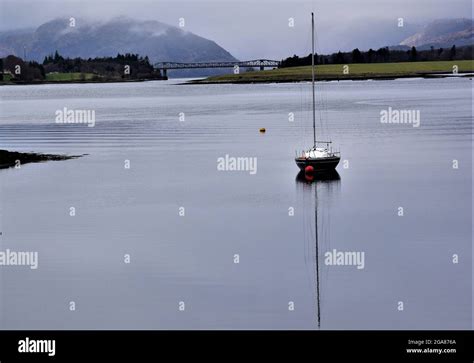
x: 366, y: 33
x: 158, y: 41
x: 443, y: 33
x: 376, y: 33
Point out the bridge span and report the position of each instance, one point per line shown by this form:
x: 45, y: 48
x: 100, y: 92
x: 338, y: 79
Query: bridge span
x: 256, y: 63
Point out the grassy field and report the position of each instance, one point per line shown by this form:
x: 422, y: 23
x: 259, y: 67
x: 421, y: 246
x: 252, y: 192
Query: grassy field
x: 64, y: 77
x: 336, y: 71
x: 7, y: 77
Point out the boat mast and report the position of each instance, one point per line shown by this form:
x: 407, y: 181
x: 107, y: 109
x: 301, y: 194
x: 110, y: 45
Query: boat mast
x: 312, y: 78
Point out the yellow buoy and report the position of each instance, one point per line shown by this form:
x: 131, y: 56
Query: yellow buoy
x: 262, y: 130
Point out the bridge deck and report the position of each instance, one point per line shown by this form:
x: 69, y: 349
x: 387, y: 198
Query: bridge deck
x: 262, y: 63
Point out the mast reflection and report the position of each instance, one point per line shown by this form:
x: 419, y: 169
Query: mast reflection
x: 318, y: 188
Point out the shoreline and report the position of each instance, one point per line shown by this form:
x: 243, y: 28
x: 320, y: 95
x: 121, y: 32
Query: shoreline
x: 10, y: 159
x: 331, y: 79
x: 256, y: 80
x: 349, y: 72
x: 8, y: 83
x: 74, y: 82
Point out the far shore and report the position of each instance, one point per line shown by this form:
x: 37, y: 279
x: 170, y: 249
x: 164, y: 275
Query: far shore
x: 326, y: 72
x: 20, y: 83
x: 330, y: 79
x: 353, y: 72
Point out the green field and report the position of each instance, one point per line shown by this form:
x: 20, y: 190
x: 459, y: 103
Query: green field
x: 64, y: 77
x: 7, y: 77
x: 336, y: 71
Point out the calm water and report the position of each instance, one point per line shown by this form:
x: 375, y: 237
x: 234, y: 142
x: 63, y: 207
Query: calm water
x: 191, y: 258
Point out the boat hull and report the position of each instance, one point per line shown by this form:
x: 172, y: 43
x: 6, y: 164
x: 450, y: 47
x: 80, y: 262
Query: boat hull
x: 320, y: 164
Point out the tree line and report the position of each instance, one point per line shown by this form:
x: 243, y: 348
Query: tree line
x: 383, y: 55
x: 123, y: 66
x: 14, y: 68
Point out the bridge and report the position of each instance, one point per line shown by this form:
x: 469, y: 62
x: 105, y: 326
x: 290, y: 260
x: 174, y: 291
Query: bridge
x: 257, y: 63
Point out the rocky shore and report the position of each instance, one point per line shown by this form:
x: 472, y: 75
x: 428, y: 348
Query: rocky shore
x: 10, y: 159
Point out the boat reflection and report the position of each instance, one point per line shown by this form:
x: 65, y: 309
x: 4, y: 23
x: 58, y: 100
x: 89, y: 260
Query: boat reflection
x: 317, y: 191
x: 325, y: 176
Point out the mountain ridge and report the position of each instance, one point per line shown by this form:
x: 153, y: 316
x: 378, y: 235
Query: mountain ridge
x: 157, y: 40
x: 443, y: 33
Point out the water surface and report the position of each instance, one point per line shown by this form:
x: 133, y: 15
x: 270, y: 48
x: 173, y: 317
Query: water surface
x: 191, y: 258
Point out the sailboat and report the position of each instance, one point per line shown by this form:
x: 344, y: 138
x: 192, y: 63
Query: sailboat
x: 317, y: 158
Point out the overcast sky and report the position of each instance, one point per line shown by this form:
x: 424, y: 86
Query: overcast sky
x: 246, y: 28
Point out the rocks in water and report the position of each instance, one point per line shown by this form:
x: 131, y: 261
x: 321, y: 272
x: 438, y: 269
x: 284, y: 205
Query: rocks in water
x: 10, y: 159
